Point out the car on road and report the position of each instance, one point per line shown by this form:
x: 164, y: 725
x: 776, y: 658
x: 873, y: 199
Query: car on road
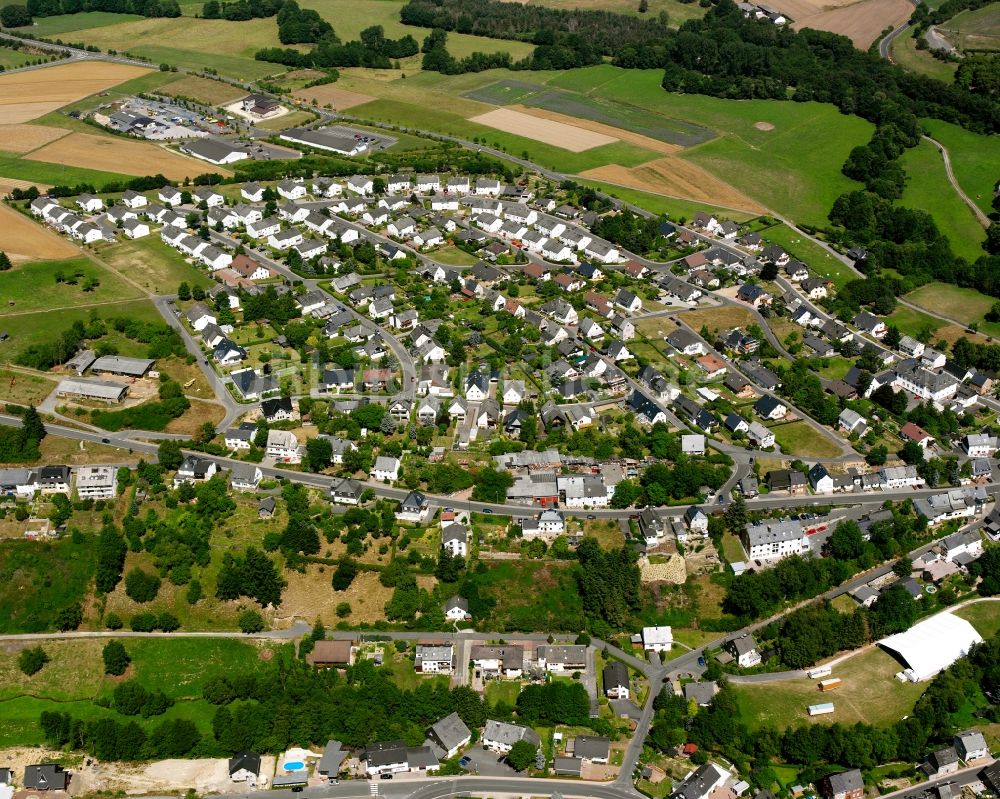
x: 385, y: 776
x: 487, y: 510
x: 591, y: 516
x: 701, y: 661
x: 722, y: 500
x: 105, y: 440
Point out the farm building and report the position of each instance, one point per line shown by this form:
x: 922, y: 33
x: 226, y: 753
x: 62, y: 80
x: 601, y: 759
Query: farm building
x: 118, y: 365
x: 214, y: 151
x: 931, y: 645
x: 99, y: 390
x: 323, y: 139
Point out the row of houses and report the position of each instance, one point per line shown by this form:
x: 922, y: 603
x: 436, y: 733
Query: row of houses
x: 90, y: 482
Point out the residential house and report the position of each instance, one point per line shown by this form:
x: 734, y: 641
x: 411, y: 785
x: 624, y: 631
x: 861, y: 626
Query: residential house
x: 657, y: 639
x: 500, y: 736
x: 744, y: 650
x: 614, y: 678
x: 772, y: 540
x: 386, y: 469
x: 844, y: 785
x: 434, y: 658
x: 283, y: 446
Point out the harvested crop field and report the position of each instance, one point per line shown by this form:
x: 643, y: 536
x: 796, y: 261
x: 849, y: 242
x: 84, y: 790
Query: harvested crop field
x: 862, y: 22
x: 7, y: 185
x: 558, y: 134
x: 649, y: 143
x: 676, y: 177
x: 25, y: 138
x: 118, y: 155
x: 23, y: 240
x: 340, y: 99
x: 27, y: 95
x: 204, y: 90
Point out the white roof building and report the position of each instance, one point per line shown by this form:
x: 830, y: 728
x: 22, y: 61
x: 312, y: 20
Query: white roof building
x: 932, y: 645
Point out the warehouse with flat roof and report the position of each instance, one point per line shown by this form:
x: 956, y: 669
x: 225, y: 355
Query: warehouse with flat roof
x: 92, y: 389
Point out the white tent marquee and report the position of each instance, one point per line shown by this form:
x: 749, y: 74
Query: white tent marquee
x: 932, y: 645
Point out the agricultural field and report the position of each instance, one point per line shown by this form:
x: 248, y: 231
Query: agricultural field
x: 129, y: 156
x: 800, y: 440
x: 333, y: 96
x: 974, y: 30
x: 204, y: 90
x: 928, y: 189
x: 45, y: 285
x: 547, y: 131
x: 673, y: 207
x: 22, y: 239
x: 27, y: 95
x: 50, y: 27
x: 25, y: 138
x: 975, y: 160
x: 870, y: 694
x: 861, y: 22
x: 152, y: 264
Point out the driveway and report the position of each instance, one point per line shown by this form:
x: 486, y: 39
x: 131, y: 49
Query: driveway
x: 487, y: 764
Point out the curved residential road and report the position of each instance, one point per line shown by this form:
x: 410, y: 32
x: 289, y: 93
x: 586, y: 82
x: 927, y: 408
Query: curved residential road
x: 976, y: 210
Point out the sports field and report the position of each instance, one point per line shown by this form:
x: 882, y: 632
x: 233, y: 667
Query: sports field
x: 975, y: 159
x: 928, y: 189
x: 22, y: 239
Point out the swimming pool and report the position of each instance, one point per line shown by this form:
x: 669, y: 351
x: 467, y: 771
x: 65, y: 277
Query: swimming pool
x: 294, y: 765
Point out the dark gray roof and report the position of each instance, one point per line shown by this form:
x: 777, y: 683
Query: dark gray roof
x: 845, y: 782
x: 333, y: 755
x: 592, y: 747
x: 615, y: 675
x: 45, y: 777
x: 450, y: 731
x: 244, y: 760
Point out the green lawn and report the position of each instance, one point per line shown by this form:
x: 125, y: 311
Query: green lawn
x: 819, y: 261
x: 975, y: 159
x: 33, y: 286
x: 928, y: 189
x: 984, y: 616
x: 732, y: 549
x: 505, y: 691
x: 153, y: 264
x: 911, y: 322
x: 799, y: 439
x: 44, y: 326
x: 870, y: 694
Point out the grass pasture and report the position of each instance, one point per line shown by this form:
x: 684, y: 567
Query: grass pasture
x: 27, y: 329
x: 801, y: 440
x: 660, y: 204
x: 204, y: 90
x: 34, y: 286
x: 40, y: 578
x: 961, y: 304
x: 928, y: 189
x: 154, y: 265
x: 906, y: 54
x: 10, y: 58
x: 819, y: 261
x: 48, y: 27
x: 975, y: 159
x: 974, y: 30
x: 984, y: 616
x: 870, y: 694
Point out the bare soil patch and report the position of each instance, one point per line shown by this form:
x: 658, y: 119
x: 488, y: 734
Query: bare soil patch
x: 638, y: 139
x: 27, y: 95
x: 763, y: 126
x: 23, y: 240
x: 572, y: 137
x: 340, y: 99
x: 672, y: 176
x: 120, y: 155
x: 25, y: 138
